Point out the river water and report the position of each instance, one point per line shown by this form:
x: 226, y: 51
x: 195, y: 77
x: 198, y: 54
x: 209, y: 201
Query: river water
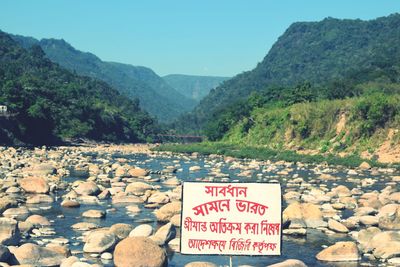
x: 304, y: 248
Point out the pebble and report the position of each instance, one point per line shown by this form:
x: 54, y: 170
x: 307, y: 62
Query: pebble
x: 106, y: 256
x: 94, y: 214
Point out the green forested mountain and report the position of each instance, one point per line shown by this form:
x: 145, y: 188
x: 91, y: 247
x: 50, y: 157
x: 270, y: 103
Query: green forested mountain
x: 317, y: 52
x: 50, y: 103
x: 194, y: 87
x: 357, y: 113
x: 155, y: 95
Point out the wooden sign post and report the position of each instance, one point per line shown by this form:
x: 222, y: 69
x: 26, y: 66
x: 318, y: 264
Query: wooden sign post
x: 231, y: 219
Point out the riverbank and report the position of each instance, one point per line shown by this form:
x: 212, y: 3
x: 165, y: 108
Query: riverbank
x: 117, y: 148
x: 262, y: 153
x: 104, y: 205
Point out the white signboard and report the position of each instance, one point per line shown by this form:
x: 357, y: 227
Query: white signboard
x: 231, y: 218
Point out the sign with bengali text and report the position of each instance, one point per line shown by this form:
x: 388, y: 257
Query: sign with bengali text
x: 231, y: 218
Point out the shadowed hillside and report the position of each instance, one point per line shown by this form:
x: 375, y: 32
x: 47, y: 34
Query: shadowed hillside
x: 154, y: 94
x: 51, y: 104
x: 317, y: 52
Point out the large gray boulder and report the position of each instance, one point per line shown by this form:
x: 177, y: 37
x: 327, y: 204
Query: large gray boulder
x: 164, y: 234
x: 99, y: 241
x: 166, y: 212
x: 121, y: 230
x: 340, y: 251
x: 139, y: 251
x: 143, y: 230
x: 137, y: 188
x: 35, y: 185
x: 32, y: 254
x: 87, y: 189
x: 304, y: 215
x: 9, y: 232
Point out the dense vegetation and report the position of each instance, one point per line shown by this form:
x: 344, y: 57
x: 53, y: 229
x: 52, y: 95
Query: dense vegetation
x: 155, y: 95
x: 194, y: 87
x: 50, y: 103
x: 375, y: 86
x: 322, y: 53
x: 325, y: 89
x: 263, y: 153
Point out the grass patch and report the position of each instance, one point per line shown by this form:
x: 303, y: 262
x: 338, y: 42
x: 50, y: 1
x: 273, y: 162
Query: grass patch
x: 262, y: 153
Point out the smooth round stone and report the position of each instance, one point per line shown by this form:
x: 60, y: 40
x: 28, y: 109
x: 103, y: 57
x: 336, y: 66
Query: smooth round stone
x: 142, y: 230
x: 295, y: 232
x: 88, y: 199
x: 60, y: 241
x: 25, y: 227
x: 38, y: 220
x: 174, y: 244
x: 158, y: 197
x: 176, y: 220
x: 139, y: 251
x: 84, y: 226
x: 118, y: 184
x: 351, y: 222
x: 137, y: 172
x: 172, y: 182
x: 39, y: 198
x: 70, y: 203
x: 106, y: 256
x: 133, y: 208
x: 36, y: 185
x: 194, y: 168
x: 45, y: 231
x: 69, y: 261
x: 338, y: 206
x: 121, y: 230
x: 166, y: 212
x: 94, y: 214
x: 337, y: 226
x: 19, y: 214
x: 122, y: 199
x: 99, y: 241
x: 105, y: 194
x: 32, y: 254
x: 394, y: 261
x: 13, y: 190
x: 138, y: 188
x: 164, y: 234
x: 369, y: 220
x: 363, y: 211
x: 340, y: 251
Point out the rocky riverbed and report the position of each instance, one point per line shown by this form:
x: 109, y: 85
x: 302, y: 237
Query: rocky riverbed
x: 106, y: 205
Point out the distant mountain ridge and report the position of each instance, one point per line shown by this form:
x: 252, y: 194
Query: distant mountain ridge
x: 192, y: 86
x: 51, y: 104
x: 318, y: 52
x: 154, y: 94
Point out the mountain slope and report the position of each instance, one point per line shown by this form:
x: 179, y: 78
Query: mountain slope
x: 317, y: 52
x: 50, y: 103
x: 194, y: 87
x: 359, y: 125
x: 154, y: 94
x: 355, y: 115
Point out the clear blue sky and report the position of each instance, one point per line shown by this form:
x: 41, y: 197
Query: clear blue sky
x: 203, y: 37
